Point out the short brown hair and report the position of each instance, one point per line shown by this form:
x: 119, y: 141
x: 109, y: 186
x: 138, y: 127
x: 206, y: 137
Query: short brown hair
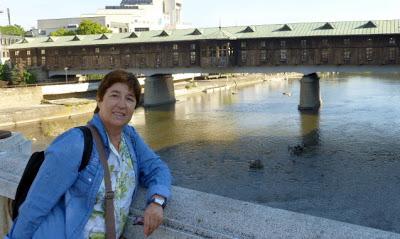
x: 119, y: 76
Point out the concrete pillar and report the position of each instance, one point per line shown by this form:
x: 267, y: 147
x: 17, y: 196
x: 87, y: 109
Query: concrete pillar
x: 310, y: 98
x: 158, y: 90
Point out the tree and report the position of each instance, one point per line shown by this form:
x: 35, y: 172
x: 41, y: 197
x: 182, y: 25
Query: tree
x: 5, y: 72
x: 88, y: 27
x: 30, y: 77
x: 63, y: 32
x: 12, y: 30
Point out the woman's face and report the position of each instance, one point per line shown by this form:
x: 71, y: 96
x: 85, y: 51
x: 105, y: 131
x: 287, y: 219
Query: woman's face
x: 117, y: 106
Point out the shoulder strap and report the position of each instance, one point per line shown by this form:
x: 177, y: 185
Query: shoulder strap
x: 109, y: 195
x: 88, y: 146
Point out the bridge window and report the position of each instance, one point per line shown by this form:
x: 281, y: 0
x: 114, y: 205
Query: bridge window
x: 369, y: 53
x: 158, y: 60
x: 43, y: 51
x: 192, y: 57
x: 244, y: 56
x: 192, y: 46
x: 392, y: 41
x: 346, y: 55
x: 304, y: 43
x: 283, y: 44
x: 97, y: 50
x: 392, y: 54
x: 263, y: 44
x: 283, y: 56
x: 304, y: 55
x: 174, y: 47
x: 127, y: 60
x: 29, y: 61
x: 243, y: 44
x: 263, y: 55
x: 346, y: 41
x: 43, y: 60
x: 175, y: 58
x: 324, y: 55
x: 16, y: 53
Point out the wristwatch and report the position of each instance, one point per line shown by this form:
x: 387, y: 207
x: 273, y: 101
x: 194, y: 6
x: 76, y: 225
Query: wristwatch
x: 159, y: 200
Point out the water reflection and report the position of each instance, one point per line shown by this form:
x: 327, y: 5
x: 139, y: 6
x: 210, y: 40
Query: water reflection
x: 310, y: 128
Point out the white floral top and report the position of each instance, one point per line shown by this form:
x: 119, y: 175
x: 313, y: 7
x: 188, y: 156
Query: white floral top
x: 123, y: 183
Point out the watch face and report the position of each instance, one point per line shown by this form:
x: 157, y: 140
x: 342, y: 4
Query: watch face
x: 159, y: 201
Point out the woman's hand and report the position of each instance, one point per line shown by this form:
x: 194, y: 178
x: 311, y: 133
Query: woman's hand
x: 153, y: 217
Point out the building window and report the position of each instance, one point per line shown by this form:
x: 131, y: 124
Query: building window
x: 55, y: 52
x: 304, y: 43
x: 392, y: 41
x: 28, y: 52
x: 158, y: 60
x: 192, y: 46
x: 392, y: 54
x: 43, y: 60
x: 112, y: 61
x: 175, y: 58
x: 283, y: 55
x: 112, y: 49
x: 283, y: 44
x: 83, y: 50
x: 304, y: 55
x: 4, y: 54
x: 324, y: 55
x: 16, y: 53
x: 368, y: 53
x: 263, y: 55
x: 127, y: 59
x: 69, y: 52
x: 192, y: 57
x: 97, y: 60
x: 325, y: 42
x: 43, y: 51
x: 244, y: 56
x: 346, y: 55
x: 369, y: 40
x: 223, y: 52
x: 96, y: 50
x: 175, y: 47
x: 346, y: 41
x: 243, y: 44
x: 263, y: 44
x: 29, y: 61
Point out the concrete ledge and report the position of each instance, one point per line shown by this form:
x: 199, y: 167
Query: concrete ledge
x: 203, y: 215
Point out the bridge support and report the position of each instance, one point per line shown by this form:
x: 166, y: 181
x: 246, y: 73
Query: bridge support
x: 310, y: 98
x: 158, y: 90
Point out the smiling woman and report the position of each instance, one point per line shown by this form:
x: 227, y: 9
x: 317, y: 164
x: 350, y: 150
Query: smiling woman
x: 65, y: 201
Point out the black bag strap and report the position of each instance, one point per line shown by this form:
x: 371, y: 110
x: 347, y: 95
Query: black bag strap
x: 88, y: 146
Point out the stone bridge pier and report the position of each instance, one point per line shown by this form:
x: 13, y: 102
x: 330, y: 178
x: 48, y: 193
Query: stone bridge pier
x: 310, y: 99
x: 158, y: 90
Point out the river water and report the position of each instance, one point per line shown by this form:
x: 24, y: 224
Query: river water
x: 348, y: 168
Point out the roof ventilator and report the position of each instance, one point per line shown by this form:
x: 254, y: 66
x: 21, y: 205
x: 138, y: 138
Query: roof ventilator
x: 369, y: 24
x: 196, y: 32
x: 326, y: 26
x: 103, y: 37
x: 163, y: 34
x: 248, y: 29
x: 285, y: 27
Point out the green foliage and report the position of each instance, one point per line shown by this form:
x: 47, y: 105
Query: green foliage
x: 90, y: 77
x: 5, y: 72
x: 88, y: 27
x: 12, y: 30
x: 30, y: 77
x: 63, y: 32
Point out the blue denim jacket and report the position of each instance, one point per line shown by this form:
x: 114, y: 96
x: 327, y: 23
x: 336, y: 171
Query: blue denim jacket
x: 61, y: 199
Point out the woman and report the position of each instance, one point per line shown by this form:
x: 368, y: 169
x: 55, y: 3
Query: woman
x: 65, y: 203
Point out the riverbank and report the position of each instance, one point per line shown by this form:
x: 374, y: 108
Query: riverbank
x: 51, y: 109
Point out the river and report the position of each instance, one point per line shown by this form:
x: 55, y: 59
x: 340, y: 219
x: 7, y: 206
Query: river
x: 347, y: 168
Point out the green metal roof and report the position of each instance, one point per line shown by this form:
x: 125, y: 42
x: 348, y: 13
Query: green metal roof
x: 347, y: 28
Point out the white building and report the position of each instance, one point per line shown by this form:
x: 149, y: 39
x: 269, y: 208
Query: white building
x: 5, y: 41
x: 130, y: 15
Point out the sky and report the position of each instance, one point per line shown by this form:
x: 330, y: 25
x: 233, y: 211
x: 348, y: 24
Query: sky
x: 211, y: 13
